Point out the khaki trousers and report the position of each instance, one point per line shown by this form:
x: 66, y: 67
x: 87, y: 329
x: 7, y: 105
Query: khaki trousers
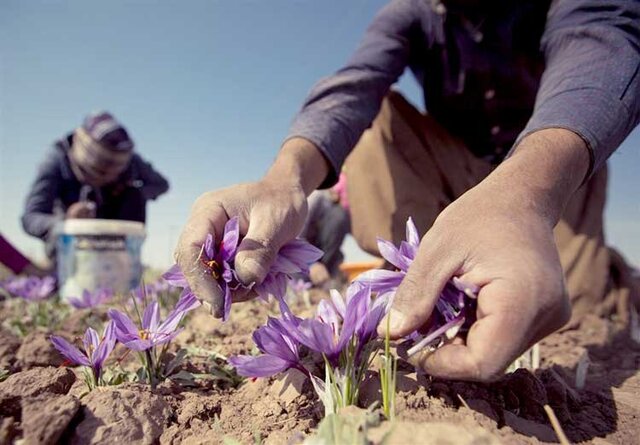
x: 406, y: 164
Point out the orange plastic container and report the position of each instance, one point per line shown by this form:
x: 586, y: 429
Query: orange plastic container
x: 352, y: 270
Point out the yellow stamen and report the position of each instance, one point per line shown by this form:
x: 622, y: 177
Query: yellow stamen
x: 214, y: 267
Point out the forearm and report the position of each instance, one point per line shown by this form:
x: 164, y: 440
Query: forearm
x: 300, y: 164
x: 39, y: 224
x: 545, y: 169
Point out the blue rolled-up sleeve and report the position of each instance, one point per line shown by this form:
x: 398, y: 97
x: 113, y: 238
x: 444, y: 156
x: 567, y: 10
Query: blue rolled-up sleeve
x: 38, y: 218
x: 340, y: 107
x: 591, y: 84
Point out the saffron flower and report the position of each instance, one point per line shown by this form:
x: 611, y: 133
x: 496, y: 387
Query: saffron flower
x: 219, y: 261
x: 279, y: 350
x: 341, y: 334
x: 91, y: 299
x: 454, y: 307
x: 30, y: 288
x: 152, y: 332
x: 299, y: 286
x: 96, y: 350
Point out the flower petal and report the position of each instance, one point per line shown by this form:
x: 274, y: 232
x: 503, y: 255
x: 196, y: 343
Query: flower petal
x: 327, y: 313
x: 391, y: 253
x: 230, y: 240
x: 379, y: 280
x: 72, y: 353
x: 175, y: 277
x: 412, y: 233
x: 91, y: 340
x: 260, y: 366
x: 315, y: 335
x: 209, y: 247
x: 106, y: 345
x: 338, y: 302
x: 151, y: 317
x: 126, y: 330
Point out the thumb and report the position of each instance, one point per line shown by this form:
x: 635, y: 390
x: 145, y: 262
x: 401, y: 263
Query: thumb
x: 259, y: 249
x: 419, y: 290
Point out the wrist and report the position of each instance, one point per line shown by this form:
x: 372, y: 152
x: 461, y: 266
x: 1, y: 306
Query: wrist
x: 544, y: 171
x: 300, y: 164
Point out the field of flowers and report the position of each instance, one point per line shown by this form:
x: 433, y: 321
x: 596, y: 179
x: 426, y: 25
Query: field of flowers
x: 297, y: 365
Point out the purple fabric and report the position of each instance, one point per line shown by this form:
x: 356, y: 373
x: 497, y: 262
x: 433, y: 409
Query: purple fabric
x: 11, y: 257
x: 492, y: 72
x: 105, y: 129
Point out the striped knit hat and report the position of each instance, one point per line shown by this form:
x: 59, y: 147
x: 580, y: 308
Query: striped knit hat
x: 103, y: 128
x: 101, y: 149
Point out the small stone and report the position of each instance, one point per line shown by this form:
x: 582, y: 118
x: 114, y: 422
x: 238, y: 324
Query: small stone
x: 37, y: 350
x: 46, y: 417
x: 289, y: 386
x: 131, y: 415
x: 8, y: 430
x: 9, y: 345
x: 32, y: 383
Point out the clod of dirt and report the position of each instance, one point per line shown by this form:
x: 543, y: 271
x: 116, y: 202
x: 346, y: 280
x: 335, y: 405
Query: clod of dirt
x: 46, y: 417
x: 8, y: 430
x: 525, y: 395
x: 31, y: 383
x: 131, y: 415
x: 431, y: 433
x: 37, y: 350
x: 9, y: 345
x: 289, y: 386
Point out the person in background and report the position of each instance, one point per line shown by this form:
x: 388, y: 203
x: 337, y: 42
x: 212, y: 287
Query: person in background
x: 12, y: 259
x: 505, y: 176
x: 92, y: 172
x: 326, y: 227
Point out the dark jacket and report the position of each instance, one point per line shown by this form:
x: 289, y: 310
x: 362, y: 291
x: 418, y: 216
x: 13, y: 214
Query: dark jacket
x: 56, y: 188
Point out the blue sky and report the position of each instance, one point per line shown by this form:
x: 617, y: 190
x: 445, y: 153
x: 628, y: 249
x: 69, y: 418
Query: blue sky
x: 206, y: 88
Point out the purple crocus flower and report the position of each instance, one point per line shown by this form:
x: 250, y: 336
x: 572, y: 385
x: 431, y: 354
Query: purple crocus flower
x: 153, y: 332
x: 96, y: 349
x: 454, y: 306
x: 279, y: 350
x: 294, y: 257
x: 30, y: 288
x: 299, y: 286
x: 91, y: 299
x: 338, y: 322
x: 402, y: 257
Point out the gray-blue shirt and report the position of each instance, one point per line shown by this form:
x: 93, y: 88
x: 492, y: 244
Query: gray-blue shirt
x: 492, y: 73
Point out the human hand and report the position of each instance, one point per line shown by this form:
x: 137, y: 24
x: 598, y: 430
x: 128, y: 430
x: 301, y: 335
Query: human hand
x: 318, y: 274
x: 271, y: 212
x: 81, y: 209
x: 498, y: 236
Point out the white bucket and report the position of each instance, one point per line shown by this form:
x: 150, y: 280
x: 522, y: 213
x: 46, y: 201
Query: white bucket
x: 98, y: 253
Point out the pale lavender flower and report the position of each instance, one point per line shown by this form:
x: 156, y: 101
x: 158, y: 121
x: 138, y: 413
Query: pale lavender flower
x: 152, y: 332
x: 96, y: 349
x: 279, y: 350
x: 30, y: 288
x: 299, y: 286
x: 454, y: 307
x: 91, y: 299
x: 294, y: 257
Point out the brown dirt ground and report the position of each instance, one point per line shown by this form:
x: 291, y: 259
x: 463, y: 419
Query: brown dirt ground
x: 285, y: 410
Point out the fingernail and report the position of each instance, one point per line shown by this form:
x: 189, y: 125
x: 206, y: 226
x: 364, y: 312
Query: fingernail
x: 394, y: 319
x: 249, y: 271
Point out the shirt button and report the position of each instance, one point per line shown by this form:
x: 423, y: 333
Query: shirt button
x: 495, y: 130
x: 489, y: 94
x: 477, y: 37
